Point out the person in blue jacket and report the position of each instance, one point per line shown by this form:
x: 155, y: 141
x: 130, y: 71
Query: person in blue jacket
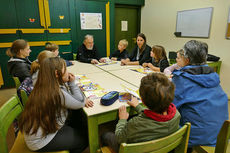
x: 199, y: 96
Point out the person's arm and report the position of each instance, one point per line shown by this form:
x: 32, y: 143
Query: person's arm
x: 133, y: 53
x: 163, y: 64
x: 154, y: 68
x: 146, y: 57
x: 113, y: 55
x: 136, y: 105
x: 97, y: 57
x: 68, y: 63
x: 21, y: 70
x: 170, y: 69
x: 121, y: 130
x: 82, y: 55
x: 133, y: 63
x: 75, y: 99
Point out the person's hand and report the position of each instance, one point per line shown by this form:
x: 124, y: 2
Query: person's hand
x: 122, y: 62
x: 123, y: 114
x: 134, y: 102
x: 145, y: 64
x: 102, y: 60
x: 88, y: 103
x: 114, y: 58
x: 94, y: 61
x: 150, y: 64
x: 72, y: 62
x: 71, y: 77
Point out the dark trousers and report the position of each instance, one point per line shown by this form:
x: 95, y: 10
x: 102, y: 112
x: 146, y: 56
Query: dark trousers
x: 72, y: 136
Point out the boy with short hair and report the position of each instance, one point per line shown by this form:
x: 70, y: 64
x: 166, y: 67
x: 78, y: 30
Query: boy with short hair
x: 158, y: 120
x: 121, y: 53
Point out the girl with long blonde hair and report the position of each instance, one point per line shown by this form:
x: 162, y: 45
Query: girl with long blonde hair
x: 44, y: 119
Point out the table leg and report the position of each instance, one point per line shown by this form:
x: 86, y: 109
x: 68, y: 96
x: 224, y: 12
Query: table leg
x: 93, y: 134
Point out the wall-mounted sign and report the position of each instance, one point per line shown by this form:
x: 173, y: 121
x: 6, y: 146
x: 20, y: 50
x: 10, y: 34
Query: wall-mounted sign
x: 91, y: 21
x: 228, y: 26
x: 124, y: 25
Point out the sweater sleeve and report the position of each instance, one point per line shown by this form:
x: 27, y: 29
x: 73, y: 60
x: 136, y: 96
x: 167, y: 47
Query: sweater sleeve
x: 170, y: 69
x: 81, y: 55
x: 133, y: 54
x: 163, y: 64
x: 139, y: 109
x: 73, y: 99
x: 21, y: 71
x: 146, y: 57
x: 121, y: 131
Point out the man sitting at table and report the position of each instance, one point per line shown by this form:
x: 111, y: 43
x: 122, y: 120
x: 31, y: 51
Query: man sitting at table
x: 88, y: 52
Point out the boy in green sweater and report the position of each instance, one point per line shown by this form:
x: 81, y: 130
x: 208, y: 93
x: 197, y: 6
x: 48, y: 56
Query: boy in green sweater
x: 158, y: 120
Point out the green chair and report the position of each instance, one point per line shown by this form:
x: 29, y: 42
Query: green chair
x: 74, y: 56
x: 24, y: 97
x: 216, y: 66
x: 172, y: 57
x: 222, y: 143
x: 177, y: 141
x: 8, y: 112
x: 17, y: 82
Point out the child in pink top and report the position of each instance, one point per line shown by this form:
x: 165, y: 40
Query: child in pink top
x: 180, y: 62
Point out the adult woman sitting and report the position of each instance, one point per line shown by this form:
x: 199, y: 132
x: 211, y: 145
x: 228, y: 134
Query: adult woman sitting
x: 140, y: 53
x: 19, y: 64
x: 199, y: 96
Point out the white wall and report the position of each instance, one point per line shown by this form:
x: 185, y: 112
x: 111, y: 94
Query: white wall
x: 158, y: 23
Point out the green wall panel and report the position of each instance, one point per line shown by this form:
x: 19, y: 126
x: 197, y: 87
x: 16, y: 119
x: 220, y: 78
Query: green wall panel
x: 25, y: 10
x: 59, y: 8
x: 34, y: 37
x: 8, y: 15
x: 7, y: 78
x: 66, y: 48
x: 35, y: 50
x: 59, y: 36
x: 131, y: 2
x: 99, y: 35
x: 9, y: 37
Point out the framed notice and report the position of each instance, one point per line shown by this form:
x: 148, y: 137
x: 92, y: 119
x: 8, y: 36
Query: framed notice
x: 228, y: 26
x: 91, y: 21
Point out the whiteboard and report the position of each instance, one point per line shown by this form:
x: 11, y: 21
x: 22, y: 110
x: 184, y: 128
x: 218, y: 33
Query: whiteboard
x: 194, y: 23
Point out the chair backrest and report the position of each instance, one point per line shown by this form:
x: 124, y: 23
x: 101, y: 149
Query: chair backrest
x: 24, y: 97
x: 172, y: 57
x: 17, y: 82
x: 177, y: 140
x: 216, y: 66
x: 223, y: 137
x: 8, y: 112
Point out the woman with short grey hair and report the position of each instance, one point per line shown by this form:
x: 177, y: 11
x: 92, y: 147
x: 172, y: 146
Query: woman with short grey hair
x: 199, y: 96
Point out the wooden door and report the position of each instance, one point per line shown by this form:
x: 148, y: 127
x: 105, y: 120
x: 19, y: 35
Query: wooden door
x: 130, y: 16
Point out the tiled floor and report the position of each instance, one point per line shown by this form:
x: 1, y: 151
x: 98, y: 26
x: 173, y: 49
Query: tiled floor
x: 5, y: 94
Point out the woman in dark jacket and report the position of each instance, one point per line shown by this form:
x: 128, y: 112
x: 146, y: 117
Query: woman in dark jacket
x: 140, y: 53
x: 19, y: 64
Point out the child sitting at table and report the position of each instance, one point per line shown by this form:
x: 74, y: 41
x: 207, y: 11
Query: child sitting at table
x: 55, y: 49
x: 180, y: 62
x: 158, y: 120
x: 121, y: 53
x: 45, y: 121
x: 159, y: 59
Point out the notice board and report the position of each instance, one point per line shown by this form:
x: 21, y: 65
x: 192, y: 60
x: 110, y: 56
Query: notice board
x: 194, y: 23
x: 228, y: 26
